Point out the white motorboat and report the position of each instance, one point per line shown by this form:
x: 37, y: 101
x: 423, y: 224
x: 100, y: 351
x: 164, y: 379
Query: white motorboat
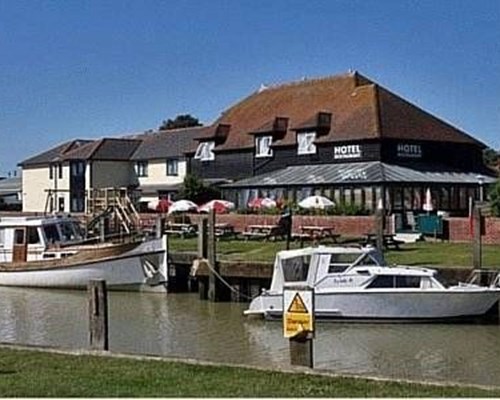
x: 52, y: 252
x: 355, y: 283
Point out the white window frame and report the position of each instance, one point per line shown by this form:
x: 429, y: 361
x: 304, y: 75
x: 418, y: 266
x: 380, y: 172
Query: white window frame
x: 263, y: 146
x: 141, y: 168
x: 174, y: 163
x: 204, y: 151
x: 305, y: 143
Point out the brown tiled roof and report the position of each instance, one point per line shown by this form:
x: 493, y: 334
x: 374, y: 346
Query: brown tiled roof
x: 55, y: 154
x: 360, y: 110
x: 105, y: 149
x: 403, y: 120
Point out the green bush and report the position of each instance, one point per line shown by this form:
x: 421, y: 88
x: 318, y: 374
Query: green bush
x: 495, y: 199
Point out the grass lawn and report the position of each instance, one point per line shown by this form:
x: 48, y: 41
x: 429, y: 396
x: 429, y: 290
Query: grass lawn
x: 41, y: 374
x: 430, y: 253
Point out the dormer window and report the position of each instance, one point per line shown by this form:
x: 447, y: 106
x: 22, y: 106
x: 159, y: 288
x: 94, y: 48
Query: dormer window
x: 305, y: 141
x: 263, y: 146
x: 204, y: 152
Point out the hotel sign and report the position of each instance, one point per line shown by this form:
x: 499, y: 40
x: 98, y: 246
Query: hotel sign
x: 347, y: 151
x: 406, y: 150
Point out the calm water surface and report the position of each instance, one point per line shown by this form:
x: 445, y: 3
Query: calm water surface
x: 181, y: 325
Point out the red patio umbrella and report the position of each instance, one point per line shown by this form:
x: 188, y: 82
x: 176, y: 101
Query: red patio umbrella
x: 220, y: 206
x: 262, y: 202
x: 163, y: 205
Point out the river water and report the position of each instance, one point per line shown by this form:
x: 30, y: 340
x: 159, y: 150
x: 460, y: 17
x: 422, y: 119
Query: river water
x: 181, y: 325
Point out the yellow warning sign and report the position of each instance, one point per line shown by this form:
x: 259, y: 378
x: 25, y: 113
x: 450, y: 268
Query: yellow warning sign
x: 297, y: 305
x: 298, y: 316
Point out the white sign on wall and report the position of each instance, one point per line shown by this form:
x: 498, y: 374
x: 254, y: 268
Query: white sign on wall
x: 347, y: 151
x: 406, y: 150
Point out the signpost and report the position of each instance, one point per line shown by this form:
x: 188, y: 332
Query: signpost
x: 298, y: 323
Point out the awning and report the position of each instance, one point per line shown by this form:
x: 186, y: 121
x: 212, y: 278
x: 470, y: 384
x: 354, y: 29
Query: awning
x: 374, y: 172
x: 155, y: 188
x: 10, y: 186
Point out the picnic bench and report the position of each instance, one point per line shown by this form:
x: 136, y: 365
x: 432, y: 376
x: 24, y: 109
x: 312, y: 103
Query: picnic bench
x: 259, y: 231
x: 181, y: 229
x: 318, y: 233
x: 389, y: 240
x: 224, y: 231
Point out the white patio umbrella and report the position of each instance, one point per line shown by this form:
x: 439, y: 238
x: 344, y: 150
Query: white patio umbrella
x: 428, y: 201
x: 316, y: 202
x: 182, y: 206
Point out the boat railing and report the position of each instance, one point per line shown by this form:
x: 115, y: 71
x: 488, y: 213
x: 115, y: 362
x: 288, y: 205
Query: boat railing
x: 484, y: 277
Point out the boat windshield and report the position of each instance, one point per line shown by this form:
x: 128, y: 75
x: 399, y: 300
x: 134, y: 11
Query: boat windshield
x: 66, y: 231
x: 70, y: 231
x: 295, y: 269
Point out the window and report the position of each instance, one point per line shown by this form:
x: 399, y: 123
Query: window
x: 77, y: 168
x: 204, y: 152
x: 33, y: 237
x: 60, y: 168
x: 305, y: 143
x: 295, y: 269
x: 51, y: 234
x: 141, y: 168
x: 19, y: 236
x: 395, y: 281
x: 51, y: 171
x: 263, y: 146
x: 172, y: 167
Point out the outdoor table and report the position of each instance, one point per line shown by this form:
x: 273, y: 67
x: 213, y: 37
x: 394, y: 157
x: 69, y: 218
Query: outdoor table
x: 259, y: 231
x: 319, y: 232
x: 180, y: 229
x: 388, y: 239
x: 224, y: 230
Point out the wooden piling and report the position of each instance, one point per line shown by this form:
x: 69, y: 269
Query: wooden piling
x: 379, y: 226
x: 477, y: 245
x: 98, y: 315
x: 202, y: 238
x: 301, y: 351
x: 213, y: 280
x: 159, y: 225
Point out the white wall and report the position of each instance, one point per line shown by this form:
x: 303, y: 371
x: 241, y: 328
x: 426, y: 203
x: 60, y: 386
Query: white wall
x: 157, y: 173
x: 36, y: 182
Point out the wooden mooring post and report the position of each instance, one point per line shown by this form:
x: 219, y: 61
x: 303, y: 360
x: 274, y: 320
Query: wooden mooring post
x: 98, y: 315
x: 379, y: 227
x: 202, y: 253
x: 213, y: 280
x: 477, y: 233
x: 299, y: 323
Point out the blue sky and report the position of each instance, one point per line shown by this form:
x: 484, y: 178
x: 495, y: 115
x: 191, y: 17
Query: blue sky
x: 87, y: 69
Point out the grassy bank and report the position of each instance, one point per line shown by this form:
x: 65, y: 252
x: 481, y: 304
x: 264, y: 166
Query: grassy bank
x: 430, y: 253
x: 41, y: 374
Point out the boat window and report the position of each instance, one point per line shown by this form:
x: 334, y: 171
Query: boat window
x: 340, y: 262
x: 295, y: 269
x: 408, y: 281
x: 51, y: 233
x: 2, y: 237
x: 395, y: 281
x: 33, y: 237
x: 70, y: 231
x: 19, y: 236
x: 382, y: 281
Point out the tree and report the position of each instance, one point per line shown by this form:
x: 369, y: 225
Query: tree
x: 180, y: 121
x: 195, y: 190
x: 491, y: 157
x: 495, y: 199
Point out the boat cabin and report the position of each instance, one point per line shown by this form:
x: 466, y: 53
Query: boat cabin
x: 37, y: 238
x: 345, y: 268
